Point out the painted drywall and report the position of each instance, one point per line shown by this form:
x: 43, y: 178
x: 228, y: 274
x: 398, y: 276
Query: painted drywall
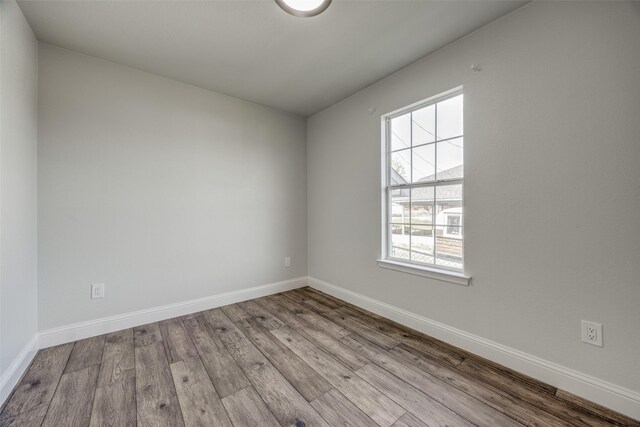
x: 18, y: 148
x: 162, y: 191
x: 552, y: 185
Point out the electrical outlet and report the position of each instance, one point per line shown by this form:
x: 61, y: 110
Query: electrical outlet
x: 97, y: 290
x: 287, y: 261
x: 592, y: 333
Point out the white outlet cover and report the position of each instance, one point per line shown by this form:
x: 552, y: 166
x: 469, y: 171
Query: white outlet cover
x: 592, y: 333
x: 97, y: 290
x: 287, y: 261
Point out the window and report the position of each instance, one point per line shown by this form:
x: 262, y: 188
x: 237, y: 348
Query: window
x: 453, y: 225
x: 424, y: 219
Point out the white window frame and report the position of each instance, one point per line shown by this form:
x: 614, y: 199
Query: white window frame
x: 433, y: 271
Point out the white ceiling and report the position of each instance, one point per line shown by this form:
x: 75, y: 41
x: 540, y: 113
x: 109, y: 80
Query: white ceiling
x: 255, y: 51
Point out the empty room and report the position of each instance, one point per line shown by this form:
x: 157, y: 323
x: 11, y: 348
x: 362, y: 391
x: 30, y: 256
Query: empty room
x: 263, y: 213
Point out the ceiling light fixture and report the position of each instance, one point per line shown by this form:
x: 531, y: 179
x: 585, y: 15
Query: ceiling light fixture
x: 304, y: 8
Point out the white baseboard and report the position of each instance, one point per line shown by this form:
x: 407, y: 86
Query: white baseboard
x: 596, y: 390
x: 105, y: 325
x: 14, y: 372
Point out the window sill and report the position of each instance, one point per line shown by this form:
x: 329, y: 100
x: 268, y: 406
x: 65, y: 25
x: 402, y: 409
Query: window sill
x: 430, y: 272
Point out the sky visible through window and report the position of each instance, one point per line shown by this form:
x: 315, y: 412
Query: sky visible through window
x: 419, y: 127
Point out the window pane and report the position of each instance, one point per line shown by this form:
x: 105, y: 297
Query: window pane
x: 448, y: 203
x: 422, y: 243
x: 422, y: 205
x: 449, y: 248
x: 450, y: 159
x: 400, y: 241
x: 400, y: 206
x: 450, y: 118
x: 401, y: 132
x: 424, y: 160
x: 401, y: 167
x: 423, y: 124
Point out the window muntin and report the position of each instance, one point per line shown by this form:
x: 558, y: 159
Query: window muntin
x: 424, y: 183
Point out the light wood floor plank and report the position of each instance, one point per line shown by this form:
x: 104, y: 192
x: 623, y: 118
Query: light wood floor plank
x: 338, y: 350
x: 521, y: 411
x: 325, y: 325
x: 510, y: 376
x: 247, y: 409
x: 437, y: 349
x: 85, y: 353
x: 225, y: 329
x: 39, y: 383
x: 305, y: 301
x: 376, y: 405
x: 328, y: 326
x: 262, y: 316
x: 199, y: 401
x: 581, y: 404
x: 235, y: 312
x: 501, y: 378
x: 409, y: 420
x: 339, y: 411
x: 114, y: 405
x: 550, y: 404
x: 419, y: 404
x: 307, y: 381
x: 73, y: 399
x: 337, y: 300
x: 320, y: 297
x: 403, y: 335
x: 146, y: 334
x: 117, y: 358
x: 284, y: 401
x: 449, y: 396
x: 226, y: 375
x: 285, y: 300
x: 157, y: 403
x: 370, y: 334
x: 177, y: 343
x: 32, y: 418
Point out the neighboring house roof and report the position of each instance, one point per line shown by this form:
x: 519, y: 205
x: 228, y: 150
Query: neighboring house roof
x: 453, y: 173
x: 445, y: 192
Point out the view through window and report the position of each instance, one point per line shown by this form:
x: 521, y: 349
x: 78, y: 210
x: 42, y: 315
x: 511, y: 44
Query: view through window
x: 424, y: 180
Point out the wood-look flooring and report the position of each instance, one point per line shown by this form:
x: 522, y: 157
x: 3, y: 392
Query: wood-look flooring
x: 299, y: 358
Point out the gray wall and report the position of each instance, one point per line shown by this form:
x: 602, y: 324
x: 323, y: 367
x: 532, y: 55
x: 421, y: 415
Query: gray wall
x: 18, y: 145
x: 552, y: 145
x: 163, y: 191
